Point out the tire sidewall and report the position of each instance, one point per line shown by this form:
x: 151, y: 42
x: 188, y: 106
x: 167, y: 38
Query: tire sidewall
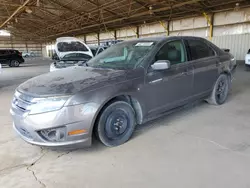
x: 224, y: 77
x: 102, y: 123
x: 12, y: 63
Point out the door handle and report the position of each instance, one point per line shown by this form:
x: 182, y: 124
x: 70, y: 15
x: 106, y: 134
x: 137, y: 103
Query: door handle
x: 186, y: 73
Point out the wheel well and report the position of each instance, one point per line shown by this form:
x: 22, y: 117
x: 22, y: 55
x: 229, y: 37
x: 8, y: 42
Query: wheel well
x: 128, y: 99
x: 228, y: 74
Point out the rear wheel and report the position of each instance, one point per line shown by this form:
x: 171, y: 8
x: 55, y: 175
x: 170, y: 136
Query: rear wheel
x: 116, y: 124
x: 14, y: 63
x: 220, y: 91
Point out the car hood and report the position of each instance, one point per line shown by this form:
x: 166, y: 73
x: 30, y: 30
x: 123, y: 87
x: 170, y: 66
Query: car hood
x: 69, y: 46
x: 65, y: 64
x: 70, y: 81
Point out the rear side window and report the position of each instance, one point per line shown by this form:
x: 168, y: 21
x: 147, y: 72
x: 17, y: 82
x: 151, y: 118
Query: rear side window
x: 248, y: 51
x: 2, y: 52
x: 199, y: 49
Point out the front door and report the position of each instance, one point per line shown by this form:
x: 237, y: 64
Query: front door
x: 168, y: 89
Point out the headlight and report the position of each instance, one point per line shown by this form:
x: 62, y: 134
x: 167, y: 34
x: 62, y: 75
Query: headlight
x: 47, y: 104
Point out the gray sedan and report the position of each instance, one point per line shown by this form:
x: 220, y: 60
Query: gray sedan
x: 128, y: 84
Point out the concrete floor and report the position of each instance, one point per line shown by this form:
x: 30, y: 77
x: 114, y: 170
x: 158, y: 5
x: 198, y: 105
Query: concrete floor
x: 203, y: 146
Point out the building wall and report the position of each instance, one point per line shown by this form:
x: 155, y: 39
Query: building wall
x: 7, y: 42
x: 231, y: 30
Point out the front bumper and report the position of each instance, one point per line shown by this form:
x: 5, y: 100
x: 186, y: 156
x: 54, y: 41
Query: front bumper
x: 71, y: 118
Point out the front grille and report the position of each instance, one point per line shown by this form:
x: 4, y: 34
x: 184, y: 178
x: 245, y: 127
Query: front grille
x: 22, y: 102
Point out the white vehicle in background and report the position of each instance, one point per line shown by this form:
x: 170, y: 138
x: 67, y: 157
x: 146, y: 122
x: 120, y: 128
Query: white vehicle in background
x: 0, y: 68
x: 28, y: 54
x: 247, y: 61
x: 70, y: 52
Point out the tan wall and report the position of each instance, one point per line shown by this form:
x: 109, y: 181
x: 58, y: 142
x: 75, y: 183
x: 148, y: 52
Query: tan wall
x: 22, y: 46
x: 225, y: 24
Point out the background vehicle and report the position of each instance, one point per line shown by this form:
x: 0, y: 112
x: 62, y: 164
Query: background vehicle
x: 28, y: 54
x: 110, y: 42
x: 130, y: 83
x: 247, y: 61
x: 97, y: 49
x: 70, y: 51
x: 0, y: 68
x: 13, y: 58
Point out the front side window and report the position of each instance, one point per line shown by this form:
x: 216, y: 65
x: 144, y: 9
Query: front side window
x: 3, y: 52
x: 127, y: 55
x: 173, y: 51
x: 199, y: 49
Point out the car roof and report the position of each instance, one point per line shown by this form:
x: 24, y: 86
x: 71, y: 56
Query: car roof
x: 7, y: 49
x: 163, y: 38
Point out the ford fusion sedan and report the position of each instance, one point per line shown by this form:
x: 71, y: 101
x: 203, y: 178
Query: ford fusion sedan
x: 128, y: 84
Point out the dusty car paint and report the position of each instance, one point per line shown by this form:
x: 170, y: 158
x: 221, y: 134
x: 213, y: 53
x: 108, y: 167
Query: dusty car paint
x: 151, y: 93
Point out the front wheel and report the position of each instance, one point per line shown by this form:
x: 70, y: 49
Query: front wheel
x: 116, y: 124
x: 220, y: 91
x: 14, y: 63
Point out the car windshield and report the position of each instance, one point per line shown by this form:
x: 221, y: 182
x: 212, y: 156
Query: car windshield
x: 76, y: 57
x: 71, y: 46
x: 127, y: 55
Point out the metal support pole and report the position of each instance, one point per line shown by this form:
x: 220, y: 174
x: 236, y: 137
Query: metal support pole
x: 115, y: 34
x: 166, y: 27
x: 98, y: 38
x: 85, y: 39
x: 210, y: 21
x: 137, y: 32
x: 26, y: 45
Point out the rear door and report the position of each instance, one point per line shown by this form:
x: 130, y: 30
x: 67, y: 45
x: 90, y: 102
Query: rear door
x: 205, y: 63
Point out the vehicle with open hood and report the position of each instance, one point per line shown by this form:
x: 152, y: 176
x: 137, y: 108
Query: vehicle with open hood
x: 70, y: 52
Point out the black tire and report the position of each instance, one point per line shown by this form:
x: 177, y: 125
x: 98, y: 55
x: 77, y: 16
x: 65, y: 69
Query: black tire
x: 14, y: 63
x: 116, y: 124
x: 220, y: 91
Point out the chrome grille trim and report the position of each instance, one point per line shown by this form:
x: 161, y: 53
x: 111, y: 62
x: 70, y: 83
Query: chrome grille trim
x: 22, y: 101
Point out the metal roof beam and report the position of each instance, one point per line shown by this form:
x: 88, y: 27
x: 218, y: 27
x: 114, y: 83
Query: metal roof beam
x: 19, y: 9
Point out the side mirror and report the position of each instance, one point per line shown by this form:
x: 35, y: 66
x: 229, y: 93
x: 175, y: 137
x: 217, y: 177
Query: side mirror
x: 161, y: 65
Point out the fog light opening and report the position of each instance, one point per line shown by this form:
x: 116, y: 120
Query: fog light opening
x: 54, y: 135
